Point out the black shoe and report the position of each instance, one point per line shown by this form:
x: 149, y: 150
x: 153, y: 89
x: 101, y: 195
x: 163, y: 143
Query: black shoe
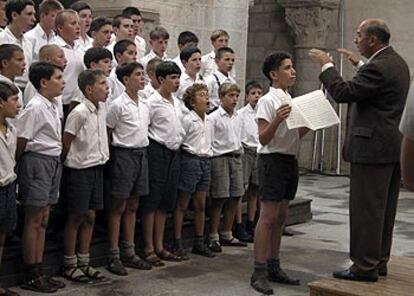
x: 352, y: 276
x: 383, y: 269
x: 260, y: 284
x: 241, y: 234
x: 203, y: 250
x: 215, y: 246
x: 233, y: 242
x: 279, y: 276
x: 39, y: 285
x: 287, y: 232
x: 250, y: 228
x: 53, y: 282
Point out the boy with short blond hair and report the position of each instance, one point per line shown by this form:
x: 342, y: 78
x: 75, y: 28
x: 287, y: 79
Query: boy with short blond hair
x: 159, y: 43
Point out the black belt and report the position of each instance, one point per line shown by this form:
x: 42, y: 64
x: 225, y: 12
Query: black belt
x: 189, y: 154
x: 230, y: 154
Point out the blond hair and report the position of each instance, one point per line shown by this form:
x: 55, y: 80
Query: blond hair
x: 227, y: 87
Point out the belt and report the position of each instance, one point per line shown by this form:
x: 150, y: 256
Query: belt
x: 188, y: 154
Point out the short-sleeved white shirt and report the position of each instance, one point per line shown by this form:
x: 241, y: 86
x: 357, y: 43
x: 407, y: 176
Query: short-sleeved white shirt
x: 90, y: 146
x: 116, y: 87
x: 407, y: 119
x: 84, y: 45
x: 226, y: 135
x: 209, y: 66
x: 177, y: 60
x: 141, y: 47
x: 144, y: 61
x: 284, y: 141
x: 147, y: 91
x: 38, y: 38
x: 7, y: 153
x: 250, y: 130
x: 129, y: 121
x: 165, y: 117
x: 213, y: 83
x: 74, y: 56
x: 198, y: 132
x: 185, y: 82
x: 39, y: 123
x: 30, y: 91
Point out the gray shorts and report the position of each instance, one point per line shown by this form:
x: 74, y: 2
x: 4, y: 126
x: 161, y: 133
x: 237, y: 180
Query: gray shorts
x: 82, y: 189
x: 250, y: 169
x: 129, y: 172
x: 39, y: 179
x: 8, y: 212
x: 226, y: 176
x: 194, y: 174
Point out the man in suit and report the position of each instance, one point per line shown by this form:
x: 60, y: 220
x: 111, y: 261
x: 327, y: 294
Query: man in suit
x: 377, y: 94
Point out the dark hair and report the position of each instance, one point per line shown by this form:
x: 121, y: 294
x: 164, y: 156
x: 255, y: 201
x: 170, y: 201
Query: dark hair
x: 131, y: 10
x: 48, y: 5
x: 186, y: 53
x: 88, y: 77
x: 99, y: 22
x: 380, y: 30
x: 159, y: 33
x: 7, y: 51
x: 252, y: 84
x: 41, y: 70
x: 221, y: 51
x: 166, y: 68
x: 7, y: 90
x: 116, y: 22
x: 94, y: 55
x: 80, y: 5
x: 273, y: 61
x: 187, y: 37
x: 16, y: 6
x: 122, y: 46
x: 190, y: 94
x: 126, y: 69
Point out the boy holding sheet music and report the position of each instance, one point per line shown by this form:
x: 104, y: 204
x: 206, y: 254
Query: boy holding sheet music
x: 278, y: 172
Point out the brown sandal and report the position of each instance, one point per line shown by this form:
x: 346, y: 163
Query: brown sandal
x: 167, y: 256
x: 153, y: 259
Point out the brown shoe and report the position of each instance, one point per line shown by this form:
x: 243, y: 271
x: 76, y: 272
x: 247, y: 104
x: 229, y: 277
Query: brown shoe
x: 40, y: 285
x: 279, y: 276
x: 260, y: 284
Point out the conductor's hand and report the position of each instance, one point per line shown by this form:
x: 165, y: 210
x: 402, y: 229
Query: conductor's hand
x: 283, y: 112
x: 350, y: 55
x: 320, y: 56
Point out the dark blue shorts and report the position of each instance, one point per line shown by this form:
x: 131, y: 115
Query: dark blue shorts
x: 195, y: 173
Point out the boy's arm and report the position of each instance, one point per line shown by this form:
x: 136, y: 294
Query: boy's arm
x: 21, y: 146
x: 66, y: 142
x: 268, y: 129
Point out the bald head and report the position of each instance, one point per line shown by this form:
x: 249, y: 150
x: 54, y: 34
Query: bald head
x: 378, y: 28
x: 52, y: 53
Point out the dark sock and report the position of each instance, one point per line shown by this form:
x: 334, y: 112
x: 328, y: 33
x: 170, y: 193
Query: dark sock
x: 40, y: 268
x: 273, y: 263
x: 178, y: 243
x: 249, y: 225
x: 31, y: 271
x: 259, y: 268
x: 198, y: 240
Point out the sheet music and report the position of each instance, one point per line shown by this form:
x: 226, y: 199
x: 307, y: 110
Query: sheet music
x: 313, y: 111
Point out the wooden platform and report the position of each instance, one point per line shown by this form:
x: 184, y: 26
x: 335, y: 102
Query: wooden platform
x: 399, y: 282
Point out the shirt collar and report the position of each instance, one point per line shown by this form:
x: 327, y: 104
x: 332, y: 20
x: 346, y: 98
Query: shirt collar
x: 91, y: 107
x: 47, y: 102
x: 43, y: 33
x: 61, y: 42
x: 224, y: 112
x: 161, y: 98
x: 11, y: 35
x: 221, y: 76
x: 5, y: 79
x: 129, y: 100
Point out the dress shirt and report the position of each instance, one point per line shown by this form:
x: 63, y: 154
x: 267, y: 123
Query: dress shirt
x: 90, y: 146
x: 284, y: 141
x: 177, y: 60
x: 197, y: 138
x: 147, y: 91
x: 116, y: 87
x: 226, y: 132
x: 7, y: 152
x: 165, y: 117
x: 30, y: 91
x: 141, y: 47
x: 129, y: 121
x: 84, y: 45
x: 144, y: 61
x: 39, y: 124
x: 250, y: 130
x: 213, y: 87
x: 38, y: 38
x: 209, y: 66
x: 185, y: 82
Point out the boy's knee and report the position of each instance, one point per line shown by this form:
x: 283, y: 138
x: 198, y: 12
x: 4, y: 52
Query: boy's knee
x: 89, y: 218
x: 132, y: 206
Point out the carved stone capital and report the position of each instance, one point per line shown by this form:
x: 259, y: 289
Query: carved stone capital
x: 309, y: 20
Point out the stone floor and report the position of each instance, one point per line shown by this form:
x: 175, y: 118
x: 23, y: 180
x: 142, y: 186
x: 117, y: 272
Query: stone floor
x: 316, y: 249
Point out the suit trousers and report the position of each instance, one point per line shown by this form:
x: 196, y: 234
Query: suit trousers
x: 374, y: 190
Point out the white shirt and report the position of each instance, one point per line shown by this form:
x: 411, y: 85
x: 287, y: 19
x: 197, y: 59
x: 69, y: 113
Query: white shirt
x: 177, y: 60
x: 116, y: 87
x: 129, y: 121
x: 165, y: 117
x: 147, y: 91
x: 6, y: 36
x: 197, y: 138
x: 30, y: 91
x: 209, y: 66
x: 84, y: 45
x: 250, y: 130
x: 144, y: 61
x: 141, y: 47
x: 20, y: 94
x: 407, y: 119
x: 185, y: 82
x: 74, y: 56
x: 90, y: 146
x: 213, y: 86
x: 38, y: 38
x: 226, y: 132
x: 284, y: 141
x: 39, y: 123
x: 7, y: 152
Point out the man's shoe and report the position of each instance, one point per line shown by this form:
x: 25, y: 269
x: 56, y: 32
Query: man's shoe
x: 241, y: 234
x: 39, y: 285
x: 203, y: 250
x: 215, y: 246
x: 233, y: 242
x: 279, y: 276
x: 260, y: 284
x: 382, y: 269
x: 352, y: 276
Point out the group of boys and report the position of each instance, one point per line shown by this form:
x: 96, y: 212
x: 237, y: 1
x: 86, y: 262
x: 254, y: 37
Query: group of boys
x: 135, y: 130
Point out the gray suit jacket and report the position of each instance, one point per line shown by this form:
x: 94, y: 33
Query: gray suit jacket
x: 377, y: 94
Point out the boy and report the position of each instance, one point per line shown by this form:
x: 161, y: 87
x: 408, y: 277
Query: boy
x: 9, y: 107
x: 101, y: 31
x: 278, y: 171
x: 12, y: 64
x: 85, y: 150
x: 38, y: 149
x: 195, y: 169
x: 43, y: 33
x: 250, y: 141
x: 159, y: 43
x: 123, y: 30
x: 191, y: 59
x: 226, y: 168
x: 127, y: 123
x: 219, y: 38
x: 85, y: 18
x: 186, y: 39
x: 153, y: 83
x: 166, y: 134
x: 21, y: 17
x: 224, y: 60
x: 138, y: 24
